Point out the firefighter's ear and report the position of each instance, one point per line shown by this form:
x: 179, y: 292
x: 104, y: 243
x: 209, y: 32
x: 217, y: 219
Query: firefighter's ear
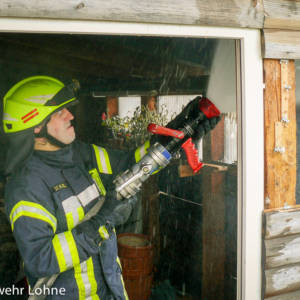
x: 38, y: 129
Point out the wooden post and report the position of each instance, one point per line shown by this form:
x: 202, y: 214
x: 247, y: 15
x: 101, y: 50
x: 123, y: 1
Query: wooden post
x: 213, y: 143
x: 150, y: 215
x: 150, y: 102
x: 112, y: 106
x: 280, y: 133
x: 213, y: 235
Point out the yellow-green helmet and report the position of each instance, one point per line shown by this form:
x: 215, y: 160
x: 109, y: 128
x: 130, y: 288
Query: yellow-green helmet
x: 32, y: 100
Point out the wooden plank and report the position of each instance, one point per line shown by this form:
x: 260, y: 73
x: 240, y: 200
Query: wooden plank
x: 186, y: 170
x: 282, y: 280
x: 112, y: 106
x: 150, y: 218
x: 282, y: 251
x: 280, y: 223
x: 284, y: 14
x: 213, y: 143
x: 213, y: 236
x: 281, y: 44
x: 289, y: 296
x: 280, y: 167
x: 150, y: 102
x: 246, y: 13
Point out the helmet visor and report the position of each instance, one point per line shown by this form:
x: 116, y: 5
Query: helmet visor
x: 67, y: 93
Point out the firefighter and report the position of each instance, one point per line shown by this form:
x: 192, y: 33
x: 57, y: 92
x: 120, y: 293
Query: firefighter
x: 55, y: 182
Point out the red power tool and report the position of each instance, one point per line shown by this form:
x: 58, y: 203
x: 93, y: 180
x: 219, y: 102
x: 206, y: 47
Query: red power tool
x: 159, y: 155
x: 182, y: 137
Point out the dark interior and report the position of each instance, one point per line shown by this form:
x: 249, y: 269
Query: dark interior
x: 190, y: 220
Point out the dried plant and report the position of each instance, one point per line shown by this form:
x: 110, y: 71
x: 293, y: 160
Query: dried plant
x: 133, y: 131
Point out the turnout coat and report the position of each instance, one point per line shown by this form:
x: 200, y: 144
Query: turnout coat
x: 46, y: 200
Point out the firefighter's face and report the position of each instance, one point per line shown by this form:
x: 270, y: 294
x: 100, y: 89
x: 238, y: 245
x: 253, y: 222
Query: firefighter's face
x: 60, y: 126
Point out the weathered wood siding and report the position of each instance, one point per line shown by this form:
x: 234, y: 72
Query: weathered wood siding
x: 287, y: 296
x: 282, y: 14
x: 232, y: 13
x: 279, y: 43
x: 280, y: 134
x: 282, y: 253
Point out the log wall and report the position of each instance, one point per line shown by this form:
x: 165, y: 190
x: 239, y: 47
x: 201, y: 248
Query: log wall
x: 230, y: 13
x: 282, y: 260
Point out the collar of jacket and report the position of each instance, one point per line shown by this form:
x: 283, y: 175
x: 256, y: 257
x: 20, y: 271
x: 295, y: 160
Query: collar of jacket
x: 60, y: 158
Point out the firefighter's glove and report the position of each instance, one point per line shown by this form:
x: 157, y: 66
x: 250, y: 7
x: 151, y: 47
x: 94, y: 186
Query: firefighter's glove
x: 205, y: 127
x: 190, y: 111
x: 91, y: 226
x: 122, y: 212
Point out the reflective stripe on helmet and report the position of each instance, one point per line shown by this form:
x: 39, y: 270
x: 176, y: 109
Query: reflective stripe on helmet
x: 102, y: 160
x: 66, y: 250
x: 32, y: 210
x: 141, y: 151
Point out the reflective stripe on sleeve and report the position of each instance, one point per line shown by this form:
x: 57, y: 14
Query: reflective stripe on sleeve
x: 102, y: 160
x: 96, y: 177
x: 141, y: 151
x: 73, y: 210
x: 65, y: 250
x: 88, y: 195
x: 32, y: 210
x: 121, y: 277
x: 103, y: 232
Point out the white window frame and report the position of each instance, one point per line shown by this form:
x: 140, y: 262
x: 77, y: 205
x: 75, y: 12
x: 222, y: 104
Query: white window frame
x: 250, y: 111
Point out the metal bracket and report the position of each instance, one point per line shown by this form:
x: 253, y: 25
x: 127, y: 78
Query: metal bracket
x: 267, y: 200
x: 284, y: 120
x: 279, y: 126
x: 284, y: 61
x: 279, y: 149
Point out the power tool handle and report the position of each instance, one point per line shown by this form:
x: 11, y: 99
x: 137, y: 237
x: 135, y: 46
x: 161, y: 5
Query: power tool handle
x: 161, y: 130
x: 192, y: 155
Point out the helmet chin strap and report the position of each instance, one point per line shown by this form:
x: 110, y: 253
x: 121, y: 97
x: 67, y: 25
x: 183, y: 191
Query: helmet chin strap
x: 52, y: 140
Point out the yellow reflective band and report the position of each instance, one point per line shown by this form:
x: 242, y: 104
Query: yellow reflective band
x: 124, y: 289
x: 79, y: 281
x: 73, y: 219
x: 119, y: 262
x: 86, y: 281
x: 70, y: 221
x: 72, y: 248
x: 32, y: 210
x: 141, y: 151
x: 102, y: 160
x: 121, y: 277
x: 92, y: 279
x: 103, y: 232
x: 80, y: 213
x: 96, y: 177
x: 59, y: 254
x: 66, y: 251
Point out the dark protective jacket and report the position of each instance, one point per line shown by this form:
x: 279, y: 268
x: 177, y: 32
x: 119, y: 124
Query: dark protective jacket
x: 46, y: 199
